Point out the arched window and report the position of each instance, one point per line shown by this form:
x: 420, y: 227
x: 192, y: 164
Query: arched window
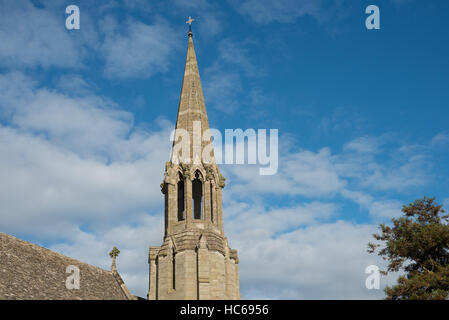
x: 181, y: 198
x: 197, y: 195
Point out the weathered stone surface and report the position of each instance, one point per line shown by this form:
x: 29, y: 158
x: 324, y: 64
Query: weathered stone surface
x: 31, y: 272
x: 194, y: 260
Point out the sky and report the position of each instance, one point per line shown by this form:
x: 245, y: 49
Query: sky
x: 86, y: 115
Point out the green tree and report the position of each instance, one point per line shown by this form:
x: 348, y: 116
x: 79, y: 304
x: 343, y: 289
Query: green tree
x: 418, y: 244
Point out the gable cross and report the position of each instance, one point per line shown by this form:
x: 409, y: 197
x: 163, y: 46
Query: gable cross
x: 114, y: 254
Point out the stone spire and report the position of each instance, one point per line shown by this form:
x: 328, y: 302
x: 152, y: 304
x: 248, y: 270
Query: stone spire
x: 192, y: 109
x: 194, y: 260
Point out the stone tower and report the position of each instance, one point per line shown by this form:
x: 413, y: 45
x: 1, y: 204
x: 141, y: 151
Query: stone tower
x: 194, y: 260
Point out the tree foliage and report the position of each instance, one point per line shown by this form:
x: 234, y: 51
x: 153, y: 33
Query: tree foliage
x: 418, y: 244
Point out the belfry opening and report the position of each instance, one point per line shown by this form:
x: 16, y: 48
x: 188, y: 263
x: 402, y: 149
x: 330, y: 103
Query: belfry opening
x: 197, y: 196
x: 194, y: 260
x: 181, y: 212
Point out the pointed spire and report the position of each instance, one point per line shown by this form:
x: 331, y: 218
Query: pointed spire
x: 192, y: 107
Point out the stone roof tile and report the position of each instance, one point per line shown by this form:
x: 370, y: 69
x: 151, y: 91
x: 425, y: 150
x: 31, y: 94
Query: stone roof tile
x: 31, y: 272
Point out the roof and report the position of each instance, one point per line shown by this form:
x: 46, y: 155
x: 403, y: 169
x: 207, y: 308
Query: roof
x: 31, y: 272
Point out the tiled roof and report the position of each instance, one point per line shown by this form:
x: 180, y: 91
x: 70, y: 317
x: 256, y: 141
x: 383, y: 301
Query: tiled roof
x: 28, y: 271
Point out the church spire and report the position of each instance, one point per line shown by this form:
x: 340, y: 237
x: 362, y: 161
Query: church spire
x: 192, y: 108
x: 194, y: 260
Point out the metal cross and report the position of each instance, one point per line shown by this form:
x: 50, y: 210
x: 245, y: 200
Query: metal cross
x: 190, y: 21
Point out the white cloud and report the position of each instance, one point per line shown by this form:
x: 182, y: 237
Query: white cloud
x: 15, y: 87
x: 321, y: 261
x: 68, y: 163
x: 312, y: 260
x: 379, y: 209
x: 267, y: 11
x: 73, y: 84
x: 363, y: 145
x: 138, y: 49
x: 396, y: 168
x: 266, y: 223
x: 359, y: 173
x: 67, y: 186
x: 406, y: 175
x: 222, y: 88
x: 132, y: 241
x: 74, y: 160
x: 361, y: 169
x: 32, y: 37
x: 75, y: 167
x: 386, y: 209
x: 303, y: 173
x: 61, y: 187
x: 446, y: 204
x: 236, y: 54
x: 441, y: 138
x: 224, y: 80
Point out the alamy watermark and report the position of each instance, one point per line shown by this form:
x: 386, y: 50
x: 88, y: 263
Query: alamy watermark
x: 372, y: 282
x: 373, y: 20
x: 73, y: 280
x: 73, y: 20
x: 235, y: 141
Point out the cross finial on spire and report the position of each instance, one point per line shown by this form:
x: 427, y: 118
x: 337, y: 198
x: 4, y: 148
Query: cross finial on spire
x: 190, y: 20
x: 190, y: 24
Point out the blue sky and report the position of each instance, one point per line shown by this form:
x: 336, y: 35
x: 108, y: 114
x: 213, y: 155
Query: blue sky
x: 85, y: 117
